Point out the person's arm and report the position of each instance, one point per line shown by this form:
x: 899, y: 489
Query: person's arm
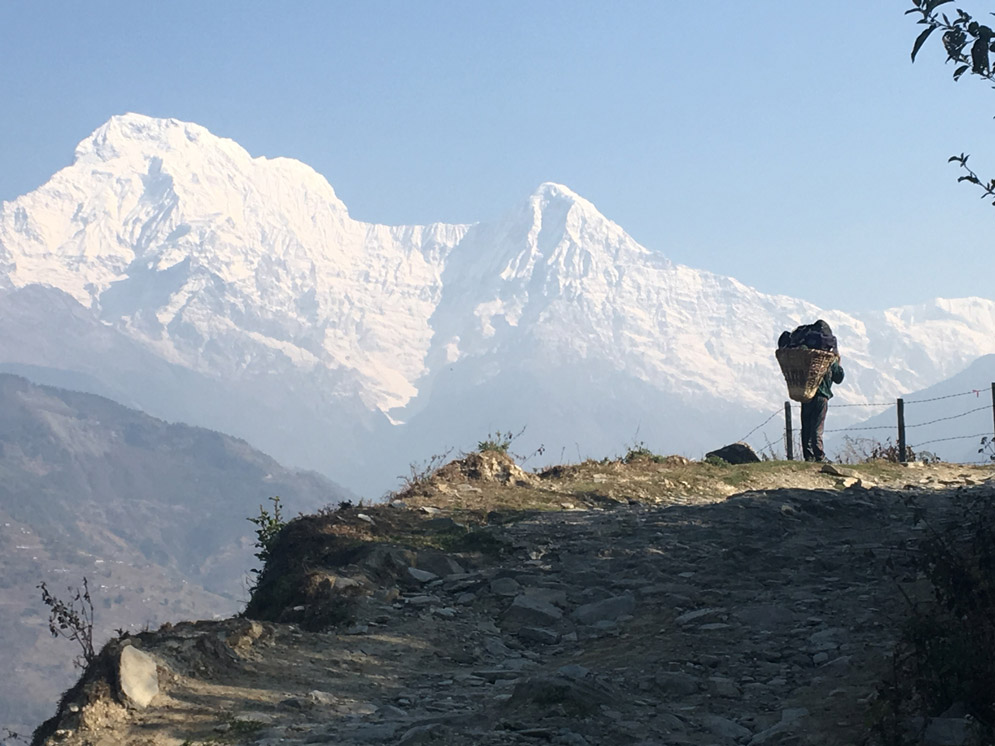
x: 837, y: 370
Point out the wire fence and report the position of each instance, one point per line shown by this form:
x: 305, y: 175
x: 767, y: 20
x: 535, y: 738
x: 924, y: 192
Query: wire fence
x: 779, y: 435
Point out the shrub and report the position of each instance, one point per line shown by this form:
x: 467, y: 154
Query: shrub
x: 639, y: 452
x: 72, y: 619
x: 420, y: 475
x: 498, y: 442
x: 889, y: 451
x: 862, y: 450
x: 268, y: 525
x: 988, y: 448
x: 946, y: 654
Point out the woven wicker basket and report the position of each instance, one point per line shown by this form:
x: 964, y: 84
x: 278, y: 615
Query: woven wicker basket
x: 803, y: 370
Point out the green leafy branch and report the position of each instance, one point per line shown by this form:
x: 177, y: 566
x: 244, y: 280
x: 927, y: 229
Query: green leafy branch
x: 987, y: 187
x: 958, y: 34
x: 969, y: 45
x: 268, y: 526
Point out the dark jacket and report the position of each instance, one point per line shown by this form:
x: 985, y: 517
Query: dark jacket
x: 833, y: 375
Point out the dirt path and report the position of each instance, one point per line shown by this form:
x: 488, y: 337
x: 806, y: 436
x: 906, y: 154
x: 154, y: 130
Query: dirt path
x: 765, y: 618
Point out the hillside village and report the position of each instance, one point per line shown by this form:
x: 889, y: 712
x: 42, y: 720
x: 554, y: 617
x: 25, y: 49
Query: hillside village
x: 637, y: 600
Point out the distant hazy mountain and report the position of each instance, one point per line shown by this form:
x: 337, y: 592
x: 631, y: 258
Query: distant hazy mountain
x: 170, y: 269
x: 153, y: 514
x: 949, y: 418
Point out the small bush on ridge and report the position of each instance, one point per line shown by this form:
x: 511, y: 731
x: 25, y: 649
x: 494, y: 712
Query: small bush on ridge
x: 72, y: 619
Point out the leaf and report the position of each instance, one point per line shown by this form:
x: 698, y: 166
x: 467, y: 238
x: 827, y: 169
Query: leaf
x: 963, y: 69
x: 979, y: 56
x: 920, y: 40
x: 934, y: 4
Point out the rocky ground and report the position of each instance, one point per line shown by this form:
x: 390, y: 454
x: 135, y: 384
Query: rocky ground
x: 650, y: 602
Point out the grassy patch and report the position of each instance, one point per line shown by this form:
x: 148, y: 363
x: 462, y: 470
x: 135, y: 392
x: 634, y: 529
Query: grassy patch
x: 741, y: 475
x: 881, y: 470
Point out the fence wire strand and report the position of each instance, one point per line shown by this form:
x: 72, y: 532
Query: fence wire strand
x: 855, y: 427
x: 944, y: 440
x: 976, y: 392
x: 952, y: 417
x: 776, y: 413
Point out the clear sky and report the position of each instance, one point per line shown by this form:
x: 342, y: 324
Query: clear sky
x: 792, y: 145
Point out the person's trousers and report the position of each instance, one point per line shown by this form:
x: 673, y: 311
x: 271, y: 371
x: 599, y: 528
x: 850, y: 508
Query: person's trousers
x: 813, y: 422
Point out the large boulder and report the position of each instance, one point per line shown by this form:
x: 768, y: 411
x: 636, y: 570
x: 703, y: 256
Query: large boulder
x: 735, y: 453
x: 137, y: 677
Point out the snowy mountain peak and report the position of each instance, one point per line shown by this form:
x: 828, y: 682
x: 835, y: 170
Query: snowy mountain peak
x: 187, y: 149
x: 554, y: 202
x: 126, y: 131
x: 550, y: 190
x: 251, y: 273
x: 162, y: 191
x: 561, y: 219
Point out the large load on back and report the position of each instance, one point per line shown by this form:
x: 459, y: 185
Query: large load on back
x: 804, y: 356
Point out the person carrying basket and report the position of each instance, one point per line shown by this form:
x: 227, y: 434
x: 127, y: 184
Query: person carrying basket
x: 810, y: 362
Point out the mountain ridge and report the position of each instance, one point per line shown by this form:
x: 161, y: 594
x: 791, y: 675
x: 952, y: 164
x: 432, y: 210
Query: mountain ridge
x: 249, y: 274
x: 153, y: 513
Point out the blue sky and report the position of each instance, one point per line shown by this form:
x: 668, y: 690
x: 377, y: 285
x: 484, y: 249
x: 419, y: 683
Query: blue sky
x: 791, y: 145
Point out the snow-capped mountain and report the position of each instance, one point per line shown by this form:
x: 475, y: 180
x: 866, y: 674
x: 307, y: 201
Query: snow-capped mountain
x: 238, y: 293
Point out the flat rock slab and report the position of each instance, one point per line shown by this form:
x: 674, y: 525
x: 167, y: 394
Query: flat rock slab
x: 422, y: 576
x: 540, y: 635
x: 608, y: 609
x: 529, y: 611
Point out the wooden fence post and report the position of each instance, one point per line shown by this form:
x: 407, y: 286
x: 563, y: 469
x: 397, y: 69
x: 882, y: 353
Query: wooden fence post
x: 901, y: 430
x: 788, y: 439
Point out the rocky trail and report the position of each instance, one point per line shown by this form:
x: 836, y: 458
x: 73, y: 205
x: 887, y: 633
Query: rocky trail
x: 764, y: 617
